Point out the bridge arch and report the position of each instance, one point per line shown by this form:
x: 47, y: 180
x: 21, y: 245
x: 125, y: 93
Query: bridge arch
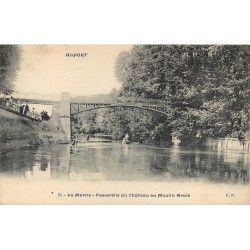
x: 151, y: 109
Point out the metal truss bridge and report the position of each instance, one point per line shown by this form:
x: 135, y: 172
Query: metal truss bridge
x: 79, y: 105
x: 128, y: 102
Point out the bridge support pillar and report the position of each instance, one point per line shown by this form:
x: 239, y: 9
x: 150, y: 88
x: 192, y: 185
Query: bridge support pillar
x: 64, y: 116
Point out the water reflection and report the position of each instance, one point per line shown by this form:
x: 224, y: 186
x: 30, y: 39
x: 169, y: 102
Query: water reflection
x: 37, y: 172
x: 117, y: 162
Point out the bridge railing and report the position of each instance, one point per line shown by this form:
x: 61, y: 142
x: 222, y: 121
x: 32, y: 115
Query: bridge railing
x: 141, y: 101
x: 122, y: 100
x: 34, y: 96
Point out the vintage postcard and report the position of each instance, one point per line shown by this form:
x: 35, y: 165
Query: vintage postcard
x: 124, y: 124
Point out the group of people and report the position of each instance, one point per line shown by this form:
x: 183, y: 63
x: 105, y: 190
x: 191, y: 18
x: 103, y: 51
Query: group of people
x: 24, y: 109
x: 44, y: 115
x: 16, y: 105
x: 7, y: 101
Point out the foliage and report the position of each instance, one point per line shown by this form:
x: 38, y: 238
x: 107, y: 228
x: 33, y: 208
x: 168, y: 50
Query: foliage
x: 87, y: 123
x: 139, y: 124
x: 11, y: 129
x: 207, y: 86
x: 10, y: 56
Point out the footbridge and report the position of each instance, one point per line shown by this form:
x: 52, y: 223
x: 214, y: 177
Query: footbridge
x: 87, y: 104
x: 64, y: 107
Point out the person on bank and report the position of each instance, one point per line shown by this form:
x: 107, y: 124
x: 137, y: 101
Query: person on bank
x: 74, y: 140
x: 44, y: 115
x: 21, y: 109
x: 26, y: 109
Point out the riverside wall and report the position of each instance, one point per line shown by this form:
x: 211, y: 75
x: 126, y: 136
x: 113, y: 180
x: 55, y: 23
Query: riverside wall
x: 18, y: 131
x: 221, y: 144
x: 228, y: 143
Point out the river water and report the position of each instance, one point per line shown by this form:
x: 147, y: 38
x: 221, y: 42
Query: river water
x: 96, y: 161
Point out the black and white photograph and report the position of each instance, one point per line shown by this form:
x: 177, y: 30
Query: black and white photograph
x: 124, y: 124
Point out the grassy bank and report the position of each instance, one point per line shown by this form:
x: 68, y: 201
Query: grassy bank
x: 17, y: 133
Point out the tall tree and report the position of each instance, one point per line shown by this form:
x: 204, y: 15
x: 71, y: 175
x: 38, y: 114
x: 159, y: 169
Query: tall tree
x: 10, y: 57
x: 207, y: 86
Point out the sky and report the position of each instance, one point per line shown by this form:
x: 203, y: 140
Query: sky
x: 47, y: 69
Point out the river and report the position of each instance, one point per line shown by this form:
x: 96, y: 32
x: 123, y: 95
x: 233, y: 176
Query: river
x: 97, y: 161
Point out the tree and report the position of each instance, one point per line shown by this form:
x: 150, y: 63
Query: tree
x: 10, y: 57
x: 207, y: 86
x: 141, y: 125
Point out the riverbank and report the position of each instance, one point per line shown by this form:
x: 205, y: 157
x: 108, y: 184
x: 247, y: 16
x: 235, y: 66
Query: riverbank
x: 217, y: 144
x: 19, y: 131
x: 16, y: 131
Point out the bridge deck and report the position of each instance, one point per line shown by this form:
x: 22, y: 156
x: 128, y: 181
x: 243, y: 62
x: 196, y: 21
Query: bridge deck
x: 35, y: 98
x: 116, y: 100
